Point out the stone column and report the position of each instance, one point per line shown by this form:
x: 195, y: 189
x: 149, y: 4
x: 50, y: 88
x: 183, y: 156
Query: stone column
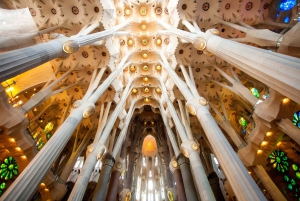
x: 268, y: 183
x: 94, y: 153
x: 27, y: 182
x: 242, y: 184
x: 112, y: 191
x: 15, y: 62
x: 190, y: 190
x: 102, y: 185
x: 190, y: 148
x: 178, y: 178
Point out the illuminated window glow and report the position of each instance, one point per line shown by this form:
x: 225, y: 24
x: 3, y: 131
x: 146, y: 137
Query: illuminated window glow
x: 287, y: 5
x: 243, y: 122
x: 254, y: 92
x: 286, y: 19
x: 296, y: 119
x: 279, y: 160
x: 8, y: 168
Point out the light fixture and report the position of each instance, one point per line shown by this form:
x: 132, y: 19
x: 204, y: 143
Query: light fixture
x: 259, y: 151
x: 134, y: 91
x: 263, y: 143
x: 145, y: 68
x: 132, y: 68
x: 127, y: 12
x: 146, y: 79
x: 143, y: 27
x: 143, y: 10
x: 145, y: 55
x: 158, y: 90
x: 285, y: 100
x: 158, y: 41
x: 146, y: 89
x: 144, y: 41
x: 158, y: 67
x: 147, y: 100
x: 268, y: 134
x: 130, y: 42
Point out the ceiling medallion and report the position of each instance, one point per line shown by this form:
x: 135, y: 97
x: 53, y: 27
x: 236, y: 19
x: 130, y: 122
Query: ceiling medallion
x: 158, y: 41
x: 174, y: 164
x: 144, y: 41
x: 215, y: 31
x: 143, y: 27
x: 130, y: 42
x: 88, y: 111
x: 158, y: 90
x: 134, y: 91
x: 147, y: 100
x: 195, y: 146
x: 199, y: 43
x: 145, y: 55
x: 127, y: 12
x: 76, y: 104
x: 71, y: 46
x: 202, y: 101
x: 191, y: 109
x: 143, y: 10
x: 145, y: 68
x: 146, y: 79
x: 158, y: 67
x: 100, y: 154
x: 132, y: 68
x: 158, y: 10
x: 146, y: 90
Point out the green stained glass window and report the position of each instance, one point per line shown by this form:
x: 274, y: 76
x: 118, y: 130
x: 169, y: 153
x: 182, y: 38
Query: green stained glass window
x: 8, y: 168
x: 296, y: 119
x: 48, y: 135
x: 286, y: 178
x: 49, y: 127
x: 279, y: 160
x: 298, y: 175
x: 41, y: 145
x: 2, y: 185
x: 243, y: 122
x: 295, y: 167
x: 254, y: 92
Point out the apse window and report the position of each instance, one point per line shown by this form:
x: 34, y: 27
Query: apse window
x: 287, y: 5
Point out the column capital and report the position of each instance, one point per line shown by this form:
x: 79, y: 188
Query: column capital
x: 189, y: 146
x: 173, y: 165
x: 181, y: 159
x: 194, y: 104
x: 108, y: 160
x: 119, y: 165
x: 97, y: 149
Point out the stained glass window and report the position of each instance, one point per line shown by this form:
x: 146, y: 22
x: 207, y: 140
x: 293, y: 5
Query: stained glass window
x: 286, y: 19
x: 254, y: 92
x: 243, y: 122
x: 298, y: 175
x: 2, y: 187
x: 296, y: 119
x: 49, y: 127
x: 279, y: 160
x: 48, y: 136
x: 8, y: 168
x: 287, y: 5
x: 295, y: 167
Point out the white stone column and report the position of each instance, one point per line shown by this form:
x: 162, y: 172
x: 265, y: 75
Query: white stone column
x: 268, y: 183
x: 96, y: 150
x: 199, y: 174
x: 243, y: 185
x: 27, y: 182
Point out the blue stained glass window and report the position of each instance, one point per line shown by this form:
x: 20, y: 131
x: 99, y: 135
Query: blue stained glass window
x: 296, y: 119
x: 287, y: 5
x: 286, y: 20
